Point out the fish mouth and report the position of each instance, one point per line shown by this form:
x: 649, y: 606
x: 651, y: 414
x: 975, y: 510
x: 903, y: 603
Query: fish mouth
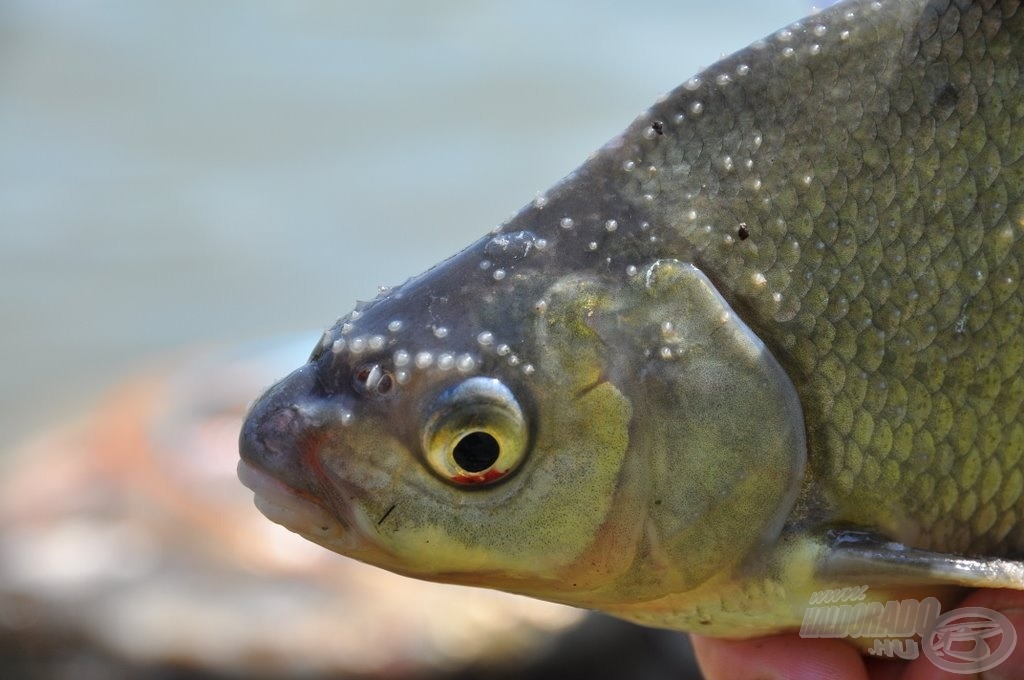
x: 278, y: 436
x: 290, y: 508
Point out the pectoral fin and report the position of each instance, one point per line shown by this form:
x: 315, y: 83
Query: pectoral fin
x: 859, y: 557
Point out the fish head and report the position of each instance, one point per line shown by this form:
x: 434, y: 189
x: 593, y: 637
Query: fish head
x: 500, y: 421
x: 431, y: 435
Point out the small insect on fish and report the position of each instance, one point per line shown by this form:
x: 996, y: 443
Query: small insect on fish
x: 768, y: 342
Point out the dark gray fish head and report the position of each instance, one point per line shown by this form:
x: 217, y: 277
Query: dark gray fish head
x: 431, y: 391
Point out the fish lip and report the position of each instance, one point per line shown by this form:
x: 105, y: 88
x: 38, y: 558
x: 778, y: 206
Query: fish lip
x: 291, y: 508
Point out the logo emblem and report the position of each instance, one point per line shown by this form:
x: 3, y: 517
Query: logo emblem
x: 969, y: 640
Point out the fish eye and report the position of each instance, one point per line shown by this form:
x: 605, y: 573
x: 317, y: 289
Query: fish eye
x: 475, y: 433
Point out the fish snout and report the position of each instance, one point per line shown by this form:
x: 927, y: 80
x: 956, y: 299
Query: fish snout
x: 281, y: 429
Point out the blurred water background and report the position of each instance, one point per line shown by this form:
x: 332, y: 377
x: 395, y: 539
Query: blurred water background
x: 184, y: 172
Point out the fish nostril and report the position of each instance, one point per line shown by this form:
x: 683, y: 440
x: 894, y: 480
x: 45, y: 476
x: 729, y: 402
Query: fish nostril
x: 278, y: 432
x: 276, y: 424
x: 272, y: 432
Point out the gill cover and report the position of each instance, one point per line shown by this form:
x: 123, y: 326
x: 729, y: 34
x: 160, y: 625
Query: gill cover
x: 716, y: 441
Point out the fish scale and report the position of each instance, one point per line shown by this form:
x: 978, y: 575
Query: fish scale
x: 957, y: 261
x: 764, y: 343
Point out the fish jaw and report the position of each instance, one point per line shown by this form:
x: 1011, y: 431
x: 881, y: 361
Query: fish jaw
x: 291, y: 509
x: 279, y: 446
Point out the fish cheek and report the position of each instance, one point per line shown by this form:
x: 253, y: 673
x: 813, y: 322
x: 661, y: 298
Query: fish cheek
x: 572, y: 498
x: 365, y: 471
x: 405, y: 518
x: 523, y: 534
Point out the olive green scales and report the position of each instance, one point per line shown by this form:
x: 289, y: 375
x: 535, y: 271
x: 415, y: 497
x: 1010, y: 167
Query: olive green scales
x: 767, y: 341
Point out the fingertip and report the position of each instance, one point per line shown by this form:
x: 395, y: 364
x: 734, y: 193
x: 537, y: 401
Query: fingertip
x: 779, y: 657
x: 1000, y: 600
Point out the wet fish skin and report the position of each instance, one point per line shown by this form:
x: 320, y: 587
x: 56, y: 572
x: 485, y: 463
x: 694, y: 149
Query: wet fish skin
x: 887, y: 222
x: 780, y: 313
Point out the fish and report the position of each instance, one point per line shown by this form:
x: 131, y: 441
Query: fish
x: 763, y: 345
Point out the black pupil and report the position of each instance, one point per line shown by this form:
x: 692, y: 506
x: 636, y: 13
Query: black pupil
x: 476, y: 452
